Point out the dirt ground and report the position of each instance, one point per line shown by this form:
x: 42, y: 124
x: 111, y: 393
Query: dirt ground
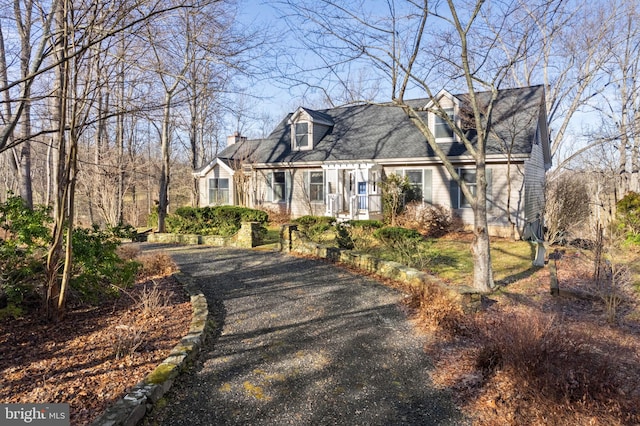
x: 92, y: 358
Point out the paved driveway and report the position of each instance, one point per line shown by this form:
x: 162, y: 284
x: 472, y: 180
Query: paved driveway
x: 301, y: 342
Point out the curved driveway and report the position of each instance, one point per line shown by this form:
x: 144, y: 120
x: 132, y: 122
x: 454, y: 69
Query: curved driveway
x: 301, y: 342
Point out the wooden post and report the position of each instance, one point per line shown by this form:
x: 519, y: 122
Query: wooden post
x: 553, y: 272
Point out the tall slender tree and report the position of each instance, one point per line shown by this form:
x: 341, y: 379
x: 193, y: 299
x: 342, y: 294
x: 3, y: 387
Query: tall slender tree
x: 420, y: 48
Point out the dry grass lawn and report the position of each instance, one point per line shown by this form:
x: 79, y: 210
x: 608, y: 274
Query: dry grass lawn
x: 531, y: 358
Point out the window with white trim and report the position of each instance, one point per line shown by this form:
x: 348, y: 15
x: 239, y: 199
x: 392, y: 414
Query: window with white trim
x: 441, y: 129
x: 218, y: 191
x: 315, y: 186
x: 420, y: 181
x: 301, y: 135
x: 469, y: 178
x: 415, y: 180
x: 278, y: 185
x: 458, y: 200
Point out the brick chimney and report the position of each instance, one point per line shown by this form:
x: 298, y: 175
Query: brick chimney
x: 235, y: 138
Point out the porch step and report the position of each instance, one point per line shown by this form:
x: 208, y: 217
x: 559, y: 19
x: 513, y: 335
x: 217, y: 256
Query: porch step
x: 343, y: 218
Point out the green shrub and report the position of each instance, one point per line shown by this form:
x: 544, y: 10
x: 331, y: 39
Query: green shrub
x: 361, y: 234
x: 343, y: 237
x: 395, y: 234
x: 628, y: 216
x: 308, y: 221
x: 405, y: 246
x: 123, y: 232
x: 152, y: 219
x: 23, y: 226
x: 366, y: 224
x: 313, y: 227
x: 97, y: 266
x: 23, y: 249
x: 218, y: 220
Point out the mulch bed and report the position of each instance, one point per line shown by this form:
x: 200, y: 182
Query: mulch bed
x: 93, y: 357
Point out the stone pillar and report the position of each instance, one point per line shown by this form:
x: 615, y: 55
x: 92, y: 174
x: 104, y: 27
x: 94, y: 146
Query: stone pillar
x: 248, y: 235
x: 286, y: 237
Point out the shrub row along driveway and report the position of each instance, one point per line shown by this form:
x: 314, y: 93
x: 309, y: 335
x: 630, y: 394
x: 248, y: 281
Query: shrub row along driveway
x: 301, y: 342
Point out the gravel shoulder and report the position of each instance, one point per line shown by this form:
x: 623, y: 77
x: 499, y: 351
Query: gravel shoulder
x: 301, y: 342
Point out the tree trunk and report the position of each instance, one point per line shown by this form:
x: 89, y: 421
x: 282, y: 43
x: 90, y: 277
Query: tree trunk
x: 163, y: 200
x: 72, y: 169
x: 480, y: 249
x: 120, y: 141
x: 23, y: 18
x: 193, y: 143
x: 54, y: 255
x: 635, y: 150
x: 49, y: 173
x: 24, y: 174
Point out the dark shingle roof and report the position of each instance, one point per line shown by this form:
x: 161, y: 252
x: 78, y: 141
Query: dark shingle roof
x: 318, y: 115
x: 383, y: 132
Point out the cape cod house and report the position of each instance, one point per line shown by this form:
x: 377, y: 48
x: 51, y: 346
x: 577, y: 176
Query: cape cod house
x: 331, y: 161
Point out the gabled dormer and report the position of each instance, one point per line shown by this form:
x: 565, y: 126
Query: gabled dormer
x: 443, y: 102
x: 308, y: 127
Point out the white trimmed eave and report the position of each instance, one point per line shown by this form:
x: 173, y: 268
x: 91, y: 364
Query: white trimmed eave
x: 297, y: 164
x: 350, y: 165
x: 211, y: 165
x: 424, y: 160
x: 442, y: 94
x: 295, y: 115
x: 300, y: 111
x: 203, y: 172
x: 364, y: 164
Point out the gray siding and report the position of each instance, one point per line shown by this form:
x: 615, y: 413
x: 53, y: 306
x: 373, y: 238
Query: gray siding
x: 534, y: 184
x: 215, y: 172
x: 319, y: 132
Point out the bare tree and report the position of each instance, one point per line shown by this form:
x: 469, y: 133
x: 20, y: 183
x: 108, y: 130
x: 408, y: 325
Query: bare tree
x: 170, y: 42
x: 55, y: 298
x: 622, y: 99
x: 423, y: 47
x: 207, y: 78
x: 565, y: 57
x: 29, y: 18
x: 75, y: 95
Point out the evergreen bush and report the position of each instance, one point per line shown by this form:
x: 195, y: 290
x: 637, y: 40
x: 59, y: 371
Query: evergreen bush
x: 22, y: 248
x: 313, y: 227
x: 218, y: 220
x: 628, y: 216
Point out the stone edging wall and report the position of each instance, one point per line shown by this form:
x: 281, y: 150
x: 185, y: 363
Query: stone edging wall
x: 129, y: 410
x: 247, y: 237
x: 292, y: 241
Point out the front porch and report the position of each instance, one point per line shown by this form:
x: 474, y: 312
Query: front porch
x: 353, y: 190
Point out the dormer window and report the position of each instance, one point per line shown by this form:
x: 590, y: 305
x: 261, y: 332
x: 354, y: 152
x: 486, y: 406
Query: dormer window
x: 444, y: 103
x: 441, y: 129
x: 308, y: 127
x: 302, y: 135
